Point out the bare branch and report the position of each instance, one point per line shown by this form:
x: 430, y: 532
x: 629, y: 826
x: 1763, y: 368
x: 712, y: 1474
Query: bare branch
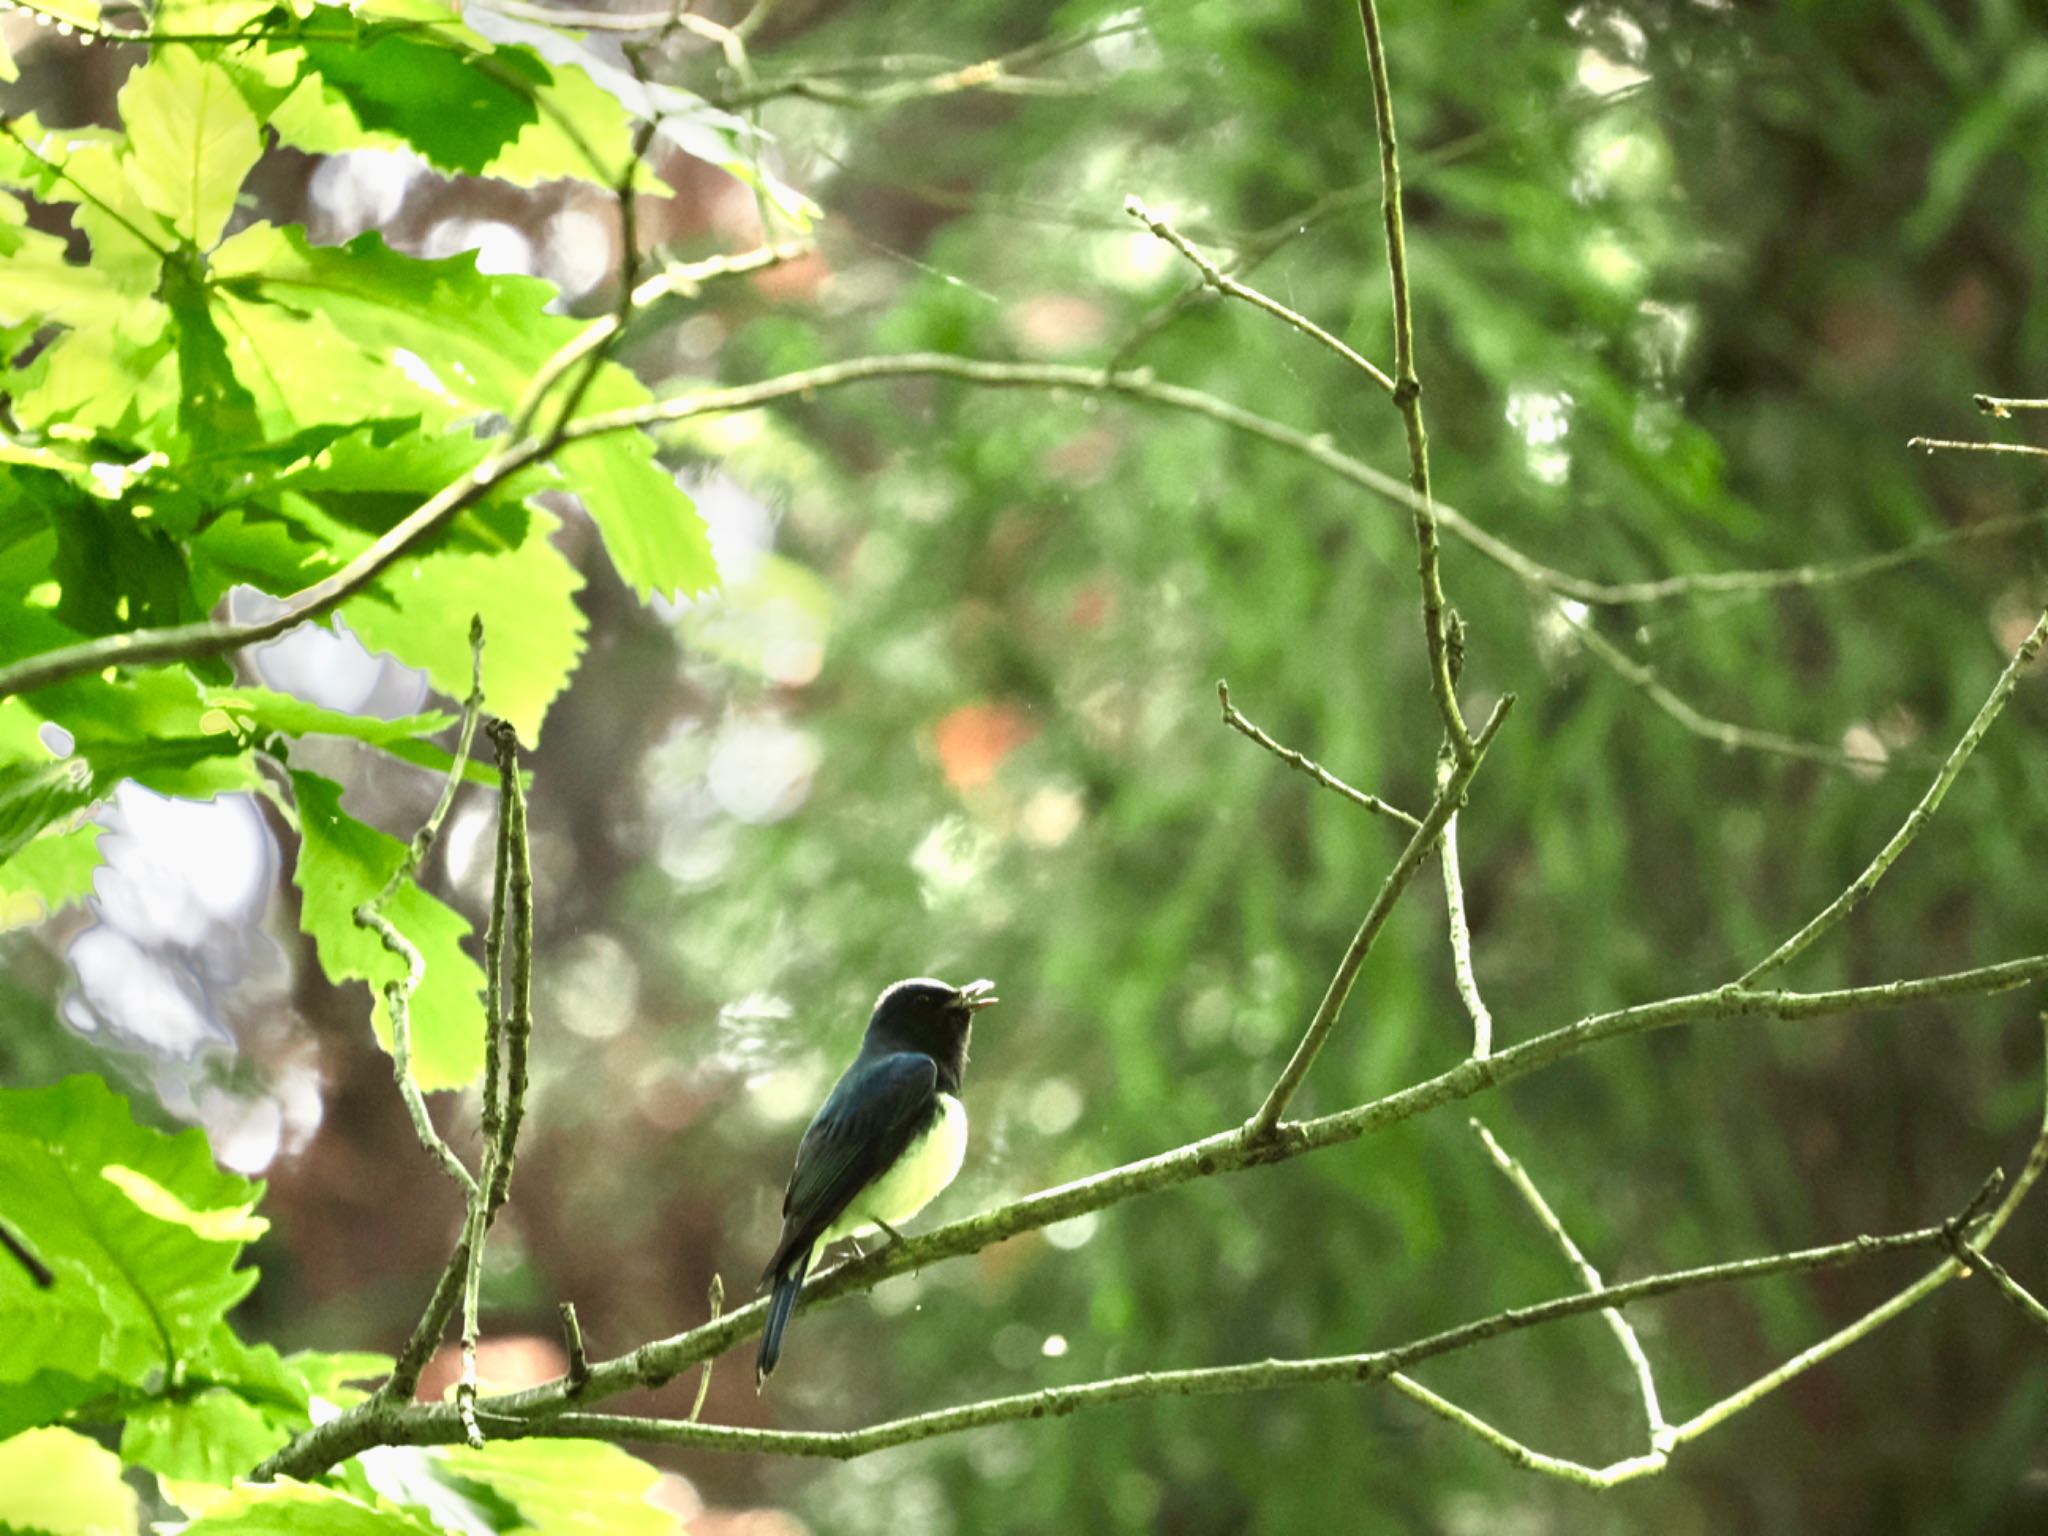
x: 1723, y: 733
x: 1408, y: 397
x: 572, y: 1346
x: 1227, y: 1151
x: 1449, y: 796
x: 1918, y: 817
x: 1294, y: 759
x: 1462, y: 972
x: 1954, y: 445
x: 1230, y: 287
x: 1994, y: 405
x: 1624, y: 1331
x: 194, y: 642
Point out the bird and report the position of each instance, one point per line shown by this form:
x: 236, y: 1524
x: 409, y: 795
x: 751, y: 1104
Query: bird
x: 891, y: 1134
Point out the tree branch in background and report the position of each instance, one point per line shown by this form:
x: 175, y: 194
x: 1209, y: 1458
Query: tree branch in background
x: 1624, y: 1331
x: 1229, y: 287
x: 1994, y: 405
x: 1450, y: 796
x: 1408, y: 397
x: 1956, y: 445
x: 1722, y: 733
x: 1918, y: 817
x: 1237, y: 722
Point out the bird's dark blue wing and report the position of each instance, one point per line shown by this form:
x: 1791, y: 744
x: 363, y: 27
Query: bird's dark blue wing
x: 872, y: 1114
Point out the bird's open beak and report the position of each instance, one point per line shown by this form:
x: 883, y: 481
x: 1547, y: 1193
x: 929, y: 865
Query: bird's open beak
x: 977, y: 995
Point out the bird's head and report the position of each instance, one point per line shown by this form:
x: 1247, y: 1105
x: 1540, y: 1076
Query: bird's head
x: 930, y: 1016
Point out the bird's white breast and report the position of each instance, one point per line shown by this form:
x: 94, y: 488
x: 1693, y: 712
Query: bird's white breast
x: 927, y: 1166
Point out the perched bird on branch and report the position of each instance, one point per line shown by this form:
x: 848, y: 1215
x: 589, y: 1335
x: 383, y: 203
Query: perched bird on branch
x: 890, y: 1136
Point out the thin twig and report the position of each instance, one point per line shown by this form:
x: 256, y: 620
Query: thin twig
x: 1624, y: 1331
x: 1237, y: 722
x: 717, y: 1300
x: 1975, y: 1260
x: 1893, y: 1306
x: 997, y: 76
x: 1462, y: 973
x: 1723, y: 733
x: 518, y: 1006
x: 398, y: 994
x: 578, y: 1375
x: 1953, y: 445
x: 1918, y: 817
x: 1408, y: 396
x: 1995, y: 405
x: 1450, y: 796
x: 1230, y: 287
x: 1526, y: 1457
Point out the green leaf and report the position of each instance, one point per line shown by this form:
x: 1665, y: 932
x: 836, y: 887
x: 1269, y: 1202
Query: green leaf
x: 46, y: 1397
x: 58, y: 1481
x: 341, y: 865
x: 152, y: 728
x: 214, y: 406
x: 304, y: 368
x: 45, y: 288
x: 117, y: 377
x: 33, y: 795
x: 486, y: 337
x: 565, y: 1487
x: 257, y: 711
x: 687, y: 121
x: 533, y: 630
x: 302, y: 1509
x: 116, y: 570
x: 236, y: 1404
x: 445, y: 91
x: 51, y: 872
x: 330, y: 1376
x: 191, y: 141
x: 211, y: 1437
x: 262, y: 709
x: 135, y: 1294
x: 129, y: 239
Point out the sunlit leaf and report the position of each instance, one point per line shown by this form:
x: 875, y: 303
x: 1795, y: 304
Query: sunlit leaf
x: 134, y: 1294
x: 533, y: 630
x: 191, y: 140
x: 342, y: 864
x: 444, y: 91
x: 302, y: 1509
x: 484, y: 338
x: 51, y: 872
x: 59, y: 1482
x: 563, y: 1487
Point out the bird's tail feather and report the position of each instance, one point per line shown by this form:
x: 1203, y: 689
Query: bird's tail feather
x: 788, y: 1282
